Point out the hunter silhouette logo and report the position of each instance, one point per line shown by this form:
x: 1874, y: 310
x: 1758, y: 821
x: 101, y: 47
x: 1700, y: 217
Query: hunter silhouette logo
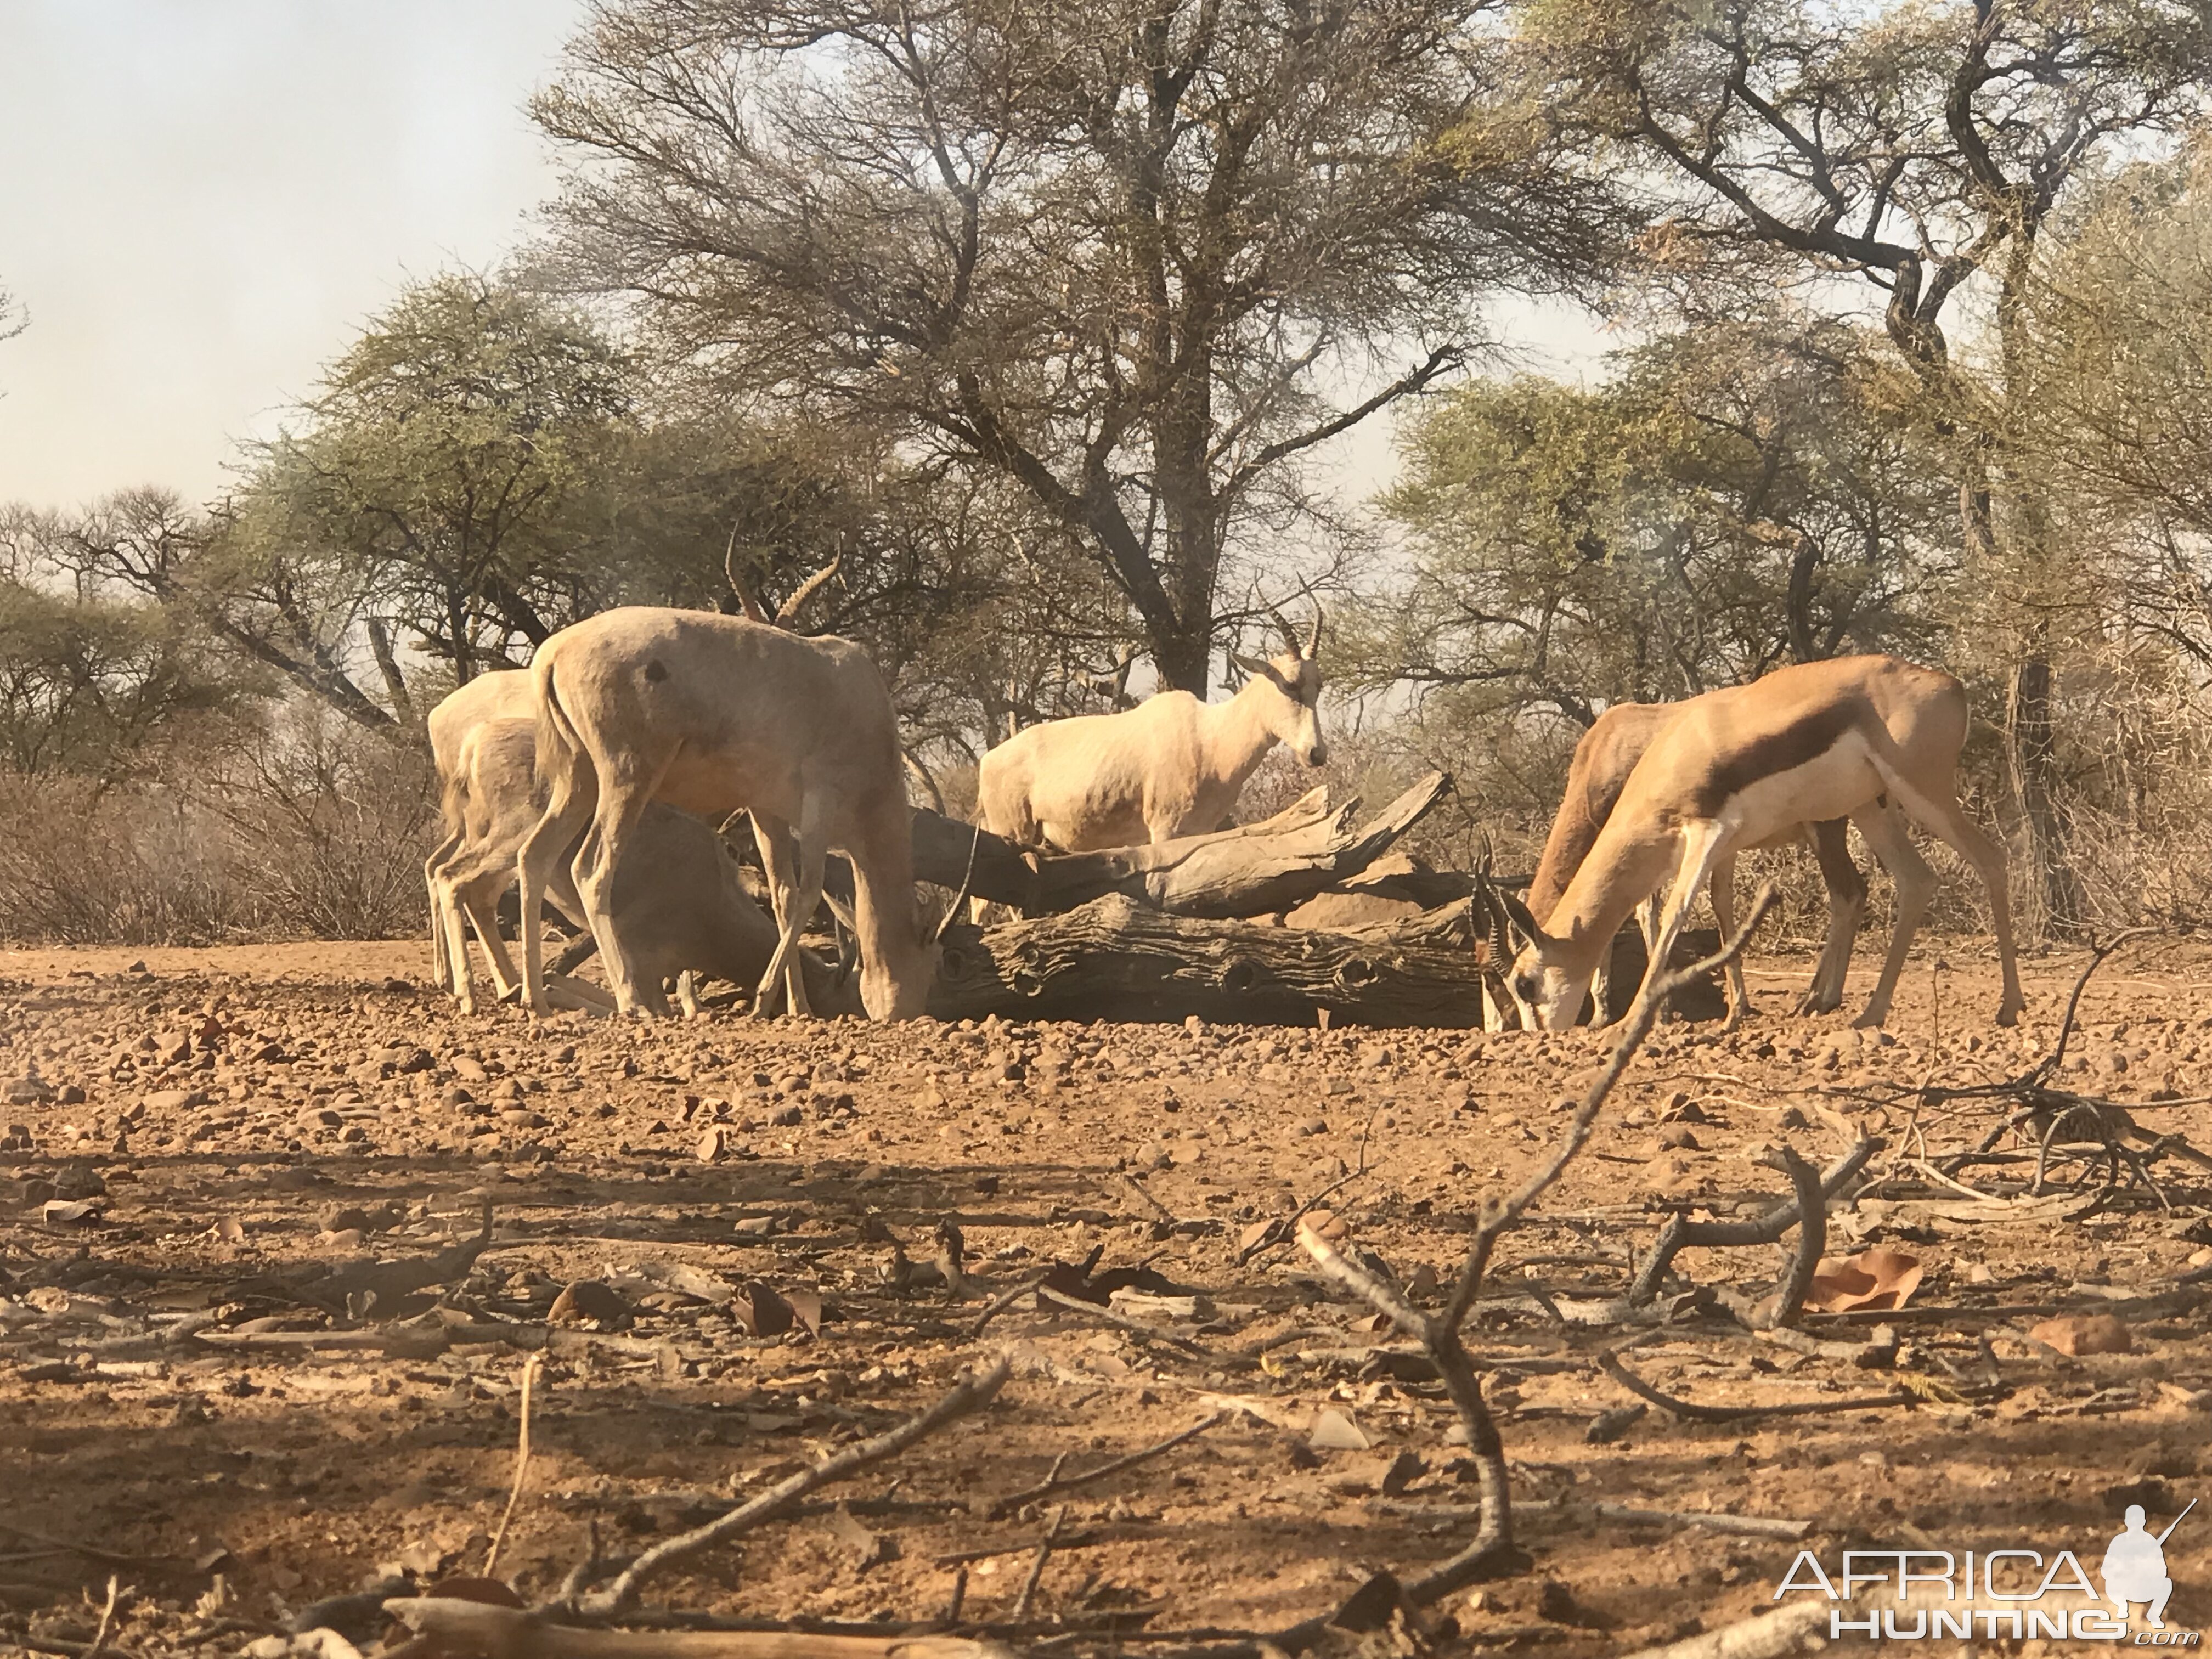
x: 2135, y: 1566
x: 1927, y: 1593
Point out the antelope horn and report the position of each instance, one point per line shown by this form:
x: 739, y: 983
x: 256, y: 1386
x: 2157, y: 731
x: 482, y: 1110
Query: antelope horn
x: 1522, y: 918
x: 1313, y: 644
x: 967, y: 880
x: 730, y: 570
x: 807, y: 590
x: 1290, y: 634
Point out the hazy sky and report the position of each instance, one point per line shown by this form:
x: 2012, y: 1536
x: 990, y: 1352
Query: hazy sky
x: 202, y: 200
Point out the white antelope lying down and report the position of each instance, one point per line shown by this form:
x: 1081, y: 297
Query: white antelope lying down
x: 1861, y: 737
x: 709, y: 713
x: 1172, y: 766
x: 680, y: 908
x: 1604, y: 760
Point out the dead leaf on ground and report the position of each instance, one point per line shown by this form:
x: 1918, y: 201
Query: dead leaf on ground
x: 1876, y: 1277
x: 762, y: 1311
x: 1334, y: 1432
x: 588, y: 1298
x: 2076, y: 1334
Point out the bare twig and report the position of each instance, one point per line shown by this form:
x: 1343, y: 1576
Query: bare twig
x: 106, y: 1619
x: 1036, y: 1565
x: 1056, y: 1482
x: 1120, y: 1321
x: 1492, y: 1546
x: 477, y: 1627
x: 1004, y: 1299
x: 1682, y: 1233
x: 89, y: 1552
x: 1284, y: 1232
x: 1812, y: 1206
x: 1610, y: 1364
x: 970, y: 1395
x: 529, y: 1368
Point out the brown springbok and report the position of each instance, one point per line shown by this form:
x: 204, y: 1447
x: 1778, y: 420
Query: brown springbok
x: 1603, y: 759
x: 709, y: 713
x: 1861, y: 737
x: 1172, y: 766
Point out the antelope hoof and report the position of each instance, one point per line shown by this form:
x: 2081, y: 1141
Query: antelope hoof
x: 2010, y: 1010
x: 1873, y: 1020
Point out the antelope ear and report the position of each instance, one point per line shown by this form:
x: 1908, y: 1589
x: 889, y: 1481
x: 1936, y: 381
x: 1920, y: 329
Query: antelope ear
x: 1258, y: 668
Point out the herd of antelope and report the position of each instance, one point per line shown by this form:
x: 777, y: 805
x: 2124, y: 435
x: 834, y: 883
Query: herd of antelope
x: 592, y: 778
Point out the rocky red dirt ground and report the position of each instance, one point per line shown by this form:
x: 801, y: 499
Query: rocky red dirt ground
x: 198, y: 1395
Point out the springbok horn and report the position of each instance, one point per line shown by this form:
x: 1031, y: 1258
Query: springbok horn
x: 967, y: 880
x: 730, y: 570
x: 1524, y: 920
x: 807, y: 590
x: 1501, y: 945
x: 1313, y: 644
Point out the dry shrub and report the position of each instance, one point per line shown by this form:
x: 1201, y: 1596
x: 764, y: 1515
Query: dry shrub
x: 130, y: 865
x: 329, y: 825
x: 314, y: 828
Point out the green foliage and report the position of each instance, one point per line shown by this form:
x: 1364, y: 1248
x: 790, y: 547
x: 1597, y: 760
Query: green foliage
x: 1730, y: 498
x: 452, y: 466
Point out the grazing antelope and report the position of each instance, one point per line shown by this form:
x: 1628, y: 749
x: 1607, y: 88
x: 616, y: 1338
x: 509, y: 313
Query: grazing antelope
x: 502, y: 695
x: 1172, y: 766
x: 709, y: 713
x: 680, y: 908
x: 1603, y: 760
x: 1863, y: 737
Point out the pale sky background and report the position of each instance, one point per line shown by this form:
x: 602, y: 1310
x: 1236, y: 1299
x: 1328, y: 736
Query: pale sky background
x: 203, y: 200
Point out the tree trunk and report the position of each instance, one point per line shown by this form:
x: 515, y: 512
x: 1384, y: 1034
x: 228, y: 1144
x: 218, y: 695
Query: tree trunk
x: 1114, y: 959
x: 2030, y: 752
x: 1258, y: 869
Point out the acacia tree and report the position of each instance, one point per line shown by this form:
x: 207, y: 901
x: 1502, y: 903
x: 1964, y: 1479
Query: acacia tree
x: 1920, y: 150
x: 294, y: 610
x: 449, y: 459
x: 1121, y: 255
x: 1732, y: 496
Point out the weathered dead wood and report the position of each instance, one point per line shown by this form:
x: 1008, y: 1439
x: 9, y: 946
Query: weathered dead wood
x: 458, y: 1628
x: 1116, y: 959
x: 1256, y: 869
x: 1680, y: 1233
x: 368, y: 1284
x: 1797, y: 1628
x: 970, y: 1395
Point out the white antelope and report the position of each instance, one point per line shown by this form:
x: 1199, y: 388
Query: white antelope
x: 1861, y: 737
x: 1604, y: 760
x: 680, y: 910
x: 1172, y: 766
x: 504, y: 694
x: 709, y: 713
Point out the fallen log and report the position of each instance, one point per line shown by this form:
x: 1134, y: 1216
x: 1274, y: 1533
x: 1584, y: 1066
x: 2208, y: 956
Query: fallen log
x: 1256, y: 869
x: 1114, y: 958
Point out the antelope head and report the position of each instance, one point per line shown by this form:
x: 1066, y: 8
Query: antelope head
x: 1290, y: 690
x: 1544, y: 987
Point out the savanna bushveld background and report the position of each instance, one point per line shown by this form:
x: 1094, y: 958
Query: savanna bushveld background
x: 1059, y: 323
